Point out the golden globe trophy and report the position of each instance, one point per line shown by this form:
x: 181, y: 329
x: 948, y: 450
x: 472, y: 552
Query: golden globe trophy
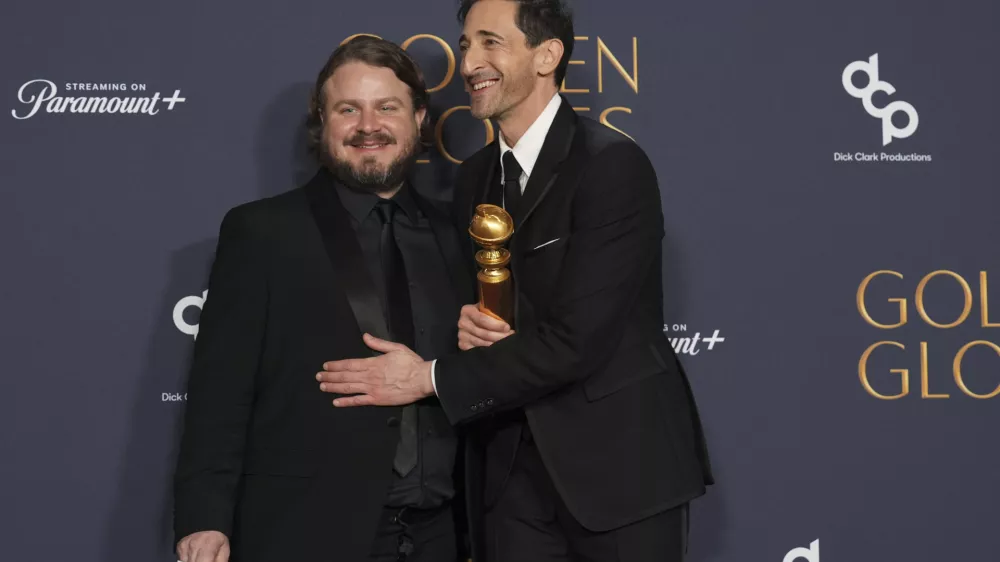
x: 491, y: 228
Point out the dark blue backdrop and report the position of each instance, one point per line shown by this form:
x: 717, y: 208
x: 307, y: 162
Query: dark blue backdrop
x: 108, y: 224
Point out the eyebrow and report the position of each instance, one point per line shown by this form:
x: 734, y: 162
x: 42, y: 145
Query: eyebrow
x: 359, y: 103
x: 482, y: 33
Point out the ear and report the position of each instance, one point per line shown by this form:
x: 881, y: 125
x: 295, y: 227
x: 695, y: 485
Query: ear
x: 547, y: 56
x: 419, y: 115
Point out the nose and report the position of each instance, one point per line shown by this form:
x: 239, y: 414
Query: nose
x: 472, y: 61
x: 369, y: 122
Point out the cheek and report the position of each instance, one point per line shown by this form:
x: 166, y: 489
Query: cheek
x: 335, y: 137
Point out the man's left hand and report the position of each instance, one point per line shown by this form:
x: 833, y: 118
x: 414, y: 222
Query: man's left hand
x: 397, y: 377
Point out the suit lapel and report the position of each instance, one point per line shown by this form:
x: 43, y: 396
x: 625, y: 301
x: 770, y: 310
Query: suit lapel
x: 344, y: 252
x: 448, y: 244
x: 488, y: 178
x: 556, y: 147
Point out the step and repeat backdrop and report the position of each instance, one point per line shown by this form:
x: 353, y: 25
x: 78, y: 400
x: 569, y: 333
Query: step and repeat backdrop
x: 830, y: 187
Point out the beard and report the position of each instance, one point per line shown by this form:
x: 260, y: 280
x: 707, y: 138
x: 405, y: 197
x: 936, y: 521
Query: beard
x: 369, y: 175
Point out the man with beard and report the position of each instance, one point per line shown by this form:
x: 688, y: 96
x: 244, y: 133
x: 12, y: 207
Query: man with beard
x: 268, y: 470
x: 589, y: 445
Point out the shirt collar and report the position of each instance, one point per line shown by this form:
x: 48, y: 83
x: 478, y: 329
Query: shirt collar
x: 530, y: 144
x: 360, y: 203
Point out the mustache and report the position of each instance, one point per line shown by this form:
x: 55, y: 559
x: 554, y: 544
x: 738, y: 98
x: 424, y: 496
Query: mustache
x: 360, y: 138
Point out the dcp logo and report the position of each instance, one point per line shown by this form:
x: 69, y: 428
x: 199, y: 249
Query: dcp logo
x: 889, y: 131
x: 810, y: 554
x: 184, y: 304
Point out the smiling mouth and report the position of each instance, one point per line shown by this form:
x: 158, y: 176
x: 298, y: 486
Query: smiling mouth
x: 480, y: 86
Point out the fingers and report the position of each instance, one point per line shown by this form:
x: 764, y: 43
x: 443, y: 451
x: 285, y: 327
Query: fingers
x: 351, y: 401
x: 184, y: 550
x: 383, y: 345
x: 482, y: 320
x: 347, y: 365
x: 210, y: 549
x: 363, y: 377
x: 467, y: 325
x: 345, y: 387
x: 203, y: 546
x: 467, y: 341
x: 223, y: 555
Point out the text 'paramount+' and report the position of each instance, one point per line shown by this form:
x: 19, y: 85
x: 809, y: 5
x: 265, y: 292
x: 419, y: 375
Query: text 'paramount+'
x: 691, y: 345
x: 35, y: 95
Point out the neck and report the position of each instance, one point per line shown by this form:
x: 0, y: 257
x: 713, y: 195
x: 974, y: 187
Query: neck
x: 516, y: 122
x: 390, y: 193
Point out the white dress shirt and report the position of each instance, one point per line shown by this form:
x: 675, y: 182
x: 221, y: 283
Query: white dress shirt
x: 526, y: 152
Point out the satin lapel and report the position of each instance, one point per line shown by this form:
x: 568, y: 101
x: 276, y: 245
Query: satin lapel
x: 489, y: 176
x: 554, y: 150
x: 451, y: 251
x: 344, y: 252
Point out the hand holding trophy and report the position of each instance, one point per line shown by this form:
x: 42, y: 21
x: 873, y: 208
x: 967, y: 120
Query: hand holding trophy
x: 491, y: 228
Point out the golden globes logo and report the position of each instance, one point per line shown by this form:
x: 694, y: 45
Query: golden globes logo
x: 901, y: 319
x: 603, y: 59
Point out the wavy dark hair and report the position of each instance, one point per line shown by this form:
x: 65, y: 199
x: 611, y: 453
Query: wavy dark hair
x: 374, y: 52
x: 540, y: 20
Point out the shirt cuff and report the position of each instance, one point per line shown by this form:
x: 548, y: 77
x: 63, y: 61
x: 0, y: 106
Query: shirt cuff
x: 433, y: 377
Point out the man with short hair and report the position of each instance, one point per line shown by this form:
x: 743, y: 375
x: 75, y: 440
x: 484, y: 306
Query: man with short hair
x: 268, y: 470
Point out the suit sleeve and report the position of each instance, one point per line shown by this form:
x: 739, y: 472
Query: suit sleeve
x: 221, y: 384
x: 617, y: 233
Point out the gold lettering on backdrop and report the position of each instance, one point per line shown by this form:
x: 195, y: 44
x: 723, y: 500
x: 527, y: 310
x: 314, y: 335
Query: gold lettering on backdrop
x: 604, y: 119
x: 957, y: 368
x: 863, y: 372
x: 604, y: 54
x: 603, y: 50
x: 359, y: 35
x: 924, y: 375
x: 448, y: 53
x: 562, y: 87
x: 439, y: 129
x: 920, y: 299
x: 862, y: 289
x: 984, y: 306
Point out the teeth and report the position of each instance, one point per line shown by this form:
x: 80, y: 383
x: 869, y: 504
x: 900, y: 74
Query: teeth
x: 485, y: 84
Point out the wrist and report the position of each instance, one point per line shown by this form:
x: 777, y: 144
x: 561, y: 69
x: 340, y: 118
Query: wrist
x: 424, y: 376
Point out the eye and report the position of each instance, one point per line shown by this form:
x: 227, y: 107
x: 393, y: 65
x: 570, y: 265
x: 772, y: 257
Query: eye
x: 491, y: 42
x: 388, y: 108
x: 462, y: 47
x: 347, y: 110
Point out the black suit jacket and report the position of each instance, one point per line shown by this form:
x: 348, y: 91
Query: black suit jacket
x: 265, y: 457
x: 607, y: 401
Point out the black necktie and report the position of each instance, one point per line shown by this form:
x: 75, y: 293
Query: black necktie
x: 511, y: 182
x: 400, y: 321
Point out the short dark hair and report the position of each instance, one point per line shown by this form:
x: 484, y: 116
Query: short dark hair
x: 374, y: 52
x: 540, y: 20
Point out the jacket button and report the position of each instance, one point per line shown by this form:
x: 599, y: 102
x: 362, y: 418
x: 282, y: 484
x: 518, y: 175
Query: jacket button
x: 393, y: 421
x: 489, y: 401
x: 475, y: 407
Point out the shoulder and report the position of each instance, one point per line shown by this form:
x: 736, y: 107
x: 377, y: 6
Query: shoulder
x: 262, y: 216
x: 604, y: 144
x: 478, y: 161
